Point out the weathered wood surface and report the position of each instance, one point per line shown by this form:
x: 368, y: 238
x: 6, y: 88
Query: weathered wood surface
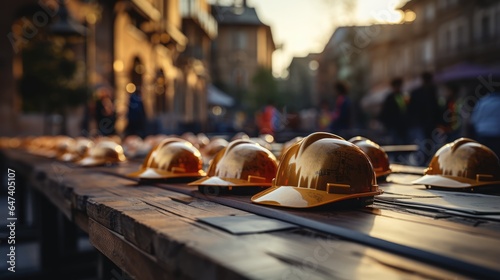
x: 153, y: 233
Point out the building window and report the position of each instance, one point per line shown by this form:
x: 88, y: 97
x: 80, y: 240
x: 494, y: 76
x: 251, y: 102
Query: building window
x: 442, y: 4
x: 179, y: 98
x: 448, y: 41
x: 485, y: 28
x: 160, y: 86
x: 239, y: 40
x: 240, y: 77
x: 407, y: 58
x: 429, y: 12
x: 137, y: 72
x: 461, y: 36
x: 497, y: 18
x: 428, y: 52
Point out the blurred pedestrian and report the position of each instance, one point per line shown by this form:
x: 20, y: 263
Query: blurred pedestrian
x: 423, y: 110
x: 324, y: 116
x: 341, y: 118
x: 268, y: 119
x: 451, y: 122
x: 394, y: 113
x: 136, y: 115
x: 485, y: 121
x: 105, y: 113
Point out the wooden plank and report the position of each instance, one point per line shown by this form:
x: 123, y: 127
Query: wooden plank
x: 140, y: 226
x: 181, y: 244
x: 399, y: 148
x: 340, y: 259
x: 128, y: 257
x: 399, y: 168
x: 55, y: 198
x: 81, y: 220
x: 207, y: 254
x: 107, y: 210
x: 470, y: 226
x: 471, y: 248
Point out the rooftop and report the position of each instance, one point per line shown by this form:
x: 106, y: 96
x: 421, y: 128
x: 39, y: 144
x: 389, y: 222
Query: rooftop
x: 243, y: 15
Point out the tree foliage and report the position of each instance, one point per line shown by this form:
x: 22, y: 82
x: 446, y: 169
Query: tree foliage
x: 265, y: 90
x: 50, y: 81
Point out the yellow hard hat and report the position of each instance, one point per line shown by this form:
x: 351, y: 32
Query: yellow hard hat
x: 241, y: 163
x: 63, y: 145
x: 215, y: 146
x: 171, y: 158
x: 131, y: 145
x: 321, y: 169
x: 191, y: 138
x: 240, y: 135
x: 10, y: 142
x: 104, y: 152
x: 377, y: 156
x: 203, y: 140
x: 78, y: 150
x: 289, y: 143
x: 463, y: 163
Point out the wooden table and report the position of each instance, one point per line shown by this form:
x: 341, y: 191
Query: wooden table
x: 155, y: 231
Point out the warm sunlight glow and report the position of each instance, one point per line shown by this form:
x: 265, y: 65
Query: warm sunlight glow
x: 305, y: 26
x: 410, y: 16
x: 130, y: 88
x: 118, y: 65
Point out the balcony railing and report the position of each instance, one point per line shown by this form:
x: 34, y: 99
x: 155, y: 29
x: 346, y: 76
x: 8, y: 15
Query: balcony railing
x: 191, y: 9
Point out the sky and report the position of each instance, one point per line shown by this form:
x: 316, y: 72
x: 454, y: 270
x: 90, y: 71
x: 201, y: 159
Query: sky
x: 304, y: 26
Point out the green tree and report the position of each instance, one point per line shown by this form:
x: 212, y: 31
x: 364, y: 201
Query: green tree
x: 265, y: 90
x: 50, y: 81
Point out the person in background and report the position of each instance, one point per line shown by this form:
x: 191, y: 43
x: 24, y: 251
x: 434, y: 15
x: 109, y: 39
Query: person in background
x: 451, y: 122
x: 485, y: 121
x: 423, y: 110
x: 105, y: 113
x: 136, y: 115
x: 394, y: 113
x: 341, y: 117
x: 324, y: 116
x: 268, y: 118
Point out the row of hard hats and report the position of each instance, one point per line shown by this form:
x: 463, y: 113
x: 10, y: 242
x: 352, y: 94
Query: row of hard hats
x: 319, y: 169
x: 82, y: 151
x: 97, y: 151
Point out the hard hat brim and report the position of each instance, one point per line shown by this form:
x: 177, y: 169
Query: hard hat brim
x: 91, y: 162
x: 453, y: 182
x: 295, y: 197
x: 67, y: 157
x: 153, y: 173
x: 383, y: 173
x: 227, y: 182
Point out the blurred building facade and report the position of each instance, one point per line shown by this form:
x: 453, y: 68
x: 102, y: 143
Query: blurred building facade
x: 455, y: 39
x: 300, y: 85
x: 243, y: 45
x: 345, y: 59
x: 158, y: 46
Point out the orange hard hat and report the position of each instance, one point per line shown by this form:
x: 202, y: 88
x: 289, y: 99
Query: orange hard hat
x: 377, y: 156
x: 240, y: 135
x: 322, y: 168
x: 463, y: 163
x: 241, y: 163
x: 104, y: 152
x: 216, y: 145
x: 289, y: 143
x: 203, y: 139
x: 171, y: 158
x: 78, y: 150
